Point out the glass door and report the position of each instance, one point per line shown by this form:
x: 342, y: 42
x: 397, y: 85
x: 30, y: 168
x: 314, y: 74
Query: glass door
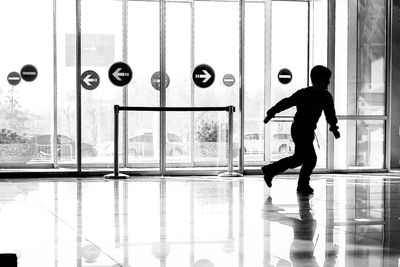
x: 197, y: 33
x: 279, y: 55
x: 143, y: 49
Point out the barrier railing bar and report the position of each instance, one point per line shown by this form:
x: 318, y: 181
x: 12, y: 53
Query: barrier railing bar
x: 177, y: 108
x: 230, y: 109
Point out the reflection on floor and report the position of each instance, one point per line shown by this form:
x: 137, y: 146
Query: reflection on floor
x: 351, y: 220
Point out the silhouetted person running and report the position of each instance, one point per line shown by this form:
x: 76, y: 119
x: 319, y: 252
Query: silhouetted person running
x: 310, y: 102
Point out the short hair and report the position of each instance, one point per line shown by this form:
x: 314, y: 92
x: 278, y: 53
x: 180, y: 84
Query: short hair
x: 319, y: 72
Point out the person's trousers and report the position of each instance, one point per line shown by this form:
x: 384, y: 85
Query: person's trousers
x: 304, y: 155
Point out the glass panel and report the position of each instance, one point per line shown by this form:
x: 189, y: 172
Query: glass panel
x: 180, y: 90
x: 144, y: 57
x: 254, y: 82
x: 101, y: 46
x: 289, y: 48
x: 281, y: 143
x: 371, y: 57
x: 66, y: 79
x: 360, y: 57
x: 321, y: 142
x: 217, y: 44
x: 361, y: 144
x: 318, y: 32
x: 26, y: 108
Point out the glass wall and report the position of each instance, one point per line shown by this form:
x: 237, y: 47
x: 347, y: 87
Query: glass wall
x: 26, y: 103
x: 39, y: 117
x: 143, y: 48
x: 293, y: 37
x: 360, y: 84
x: 101, y: 46
x: 65, y: 81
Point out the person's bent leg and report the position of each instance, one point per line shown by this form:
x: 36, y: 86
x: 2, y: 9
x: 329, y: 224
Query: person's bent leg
x: 309, y: 163
x: 280, y: 166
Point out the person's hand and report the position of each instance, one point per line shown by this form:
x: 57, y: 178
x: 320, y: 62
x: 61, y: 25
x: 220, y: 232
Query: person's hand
x: 268, y: 118
x: 336, y: 134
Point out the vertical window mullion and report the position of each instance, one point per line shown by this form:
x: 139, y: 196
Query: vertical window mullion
x: 78, y: 88
x: 125, y: 88
x: 162, y: 86
x: 55, y: 154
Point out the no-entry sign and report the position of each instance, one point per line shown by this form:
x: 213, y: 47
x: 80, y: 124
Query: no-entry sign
x: 14, y: 78
x: 29, y: 73
x: 285, y: 76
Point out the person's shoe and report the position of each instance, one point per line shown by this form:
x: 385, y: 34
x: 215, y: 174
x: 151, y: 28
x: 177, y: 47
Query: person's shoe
x: 305, y: 190
x: 267, y: 175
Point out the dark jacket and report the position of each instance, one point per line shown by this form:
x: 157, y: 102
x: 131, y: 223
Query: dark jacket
x: 310, y: 102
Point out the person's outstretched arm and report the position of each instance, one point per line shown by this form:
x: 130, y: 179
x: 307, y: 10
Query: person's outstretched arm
x: 330, y: 116
x: 281, y: 106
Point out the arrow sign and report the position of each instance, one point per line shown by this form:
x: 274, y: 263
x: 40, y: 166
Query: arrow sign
x: 14, y: 78
x: 117, y: 74
x: 120, y: 74
x: 206, y: 76
x: 90, y: 80
x: 203, y: 76
x: 29, y: 73
x: 156, y: 80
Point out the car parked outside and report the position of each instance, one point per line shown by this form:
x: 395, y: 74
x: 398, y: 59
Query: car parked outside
x: 282, y: 143
x: 65, y: 147
x: 144, y: 145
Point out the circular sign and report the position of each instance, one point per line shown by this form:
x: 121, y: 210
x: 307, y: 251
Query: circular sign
x: 29, y: 73
x: 14, y: 78
x: 203, y: 76
x: 229, y: 80
x: 120, y: 74
x: 285, y: 76
x: 156, y: 80
x: 90, y: 80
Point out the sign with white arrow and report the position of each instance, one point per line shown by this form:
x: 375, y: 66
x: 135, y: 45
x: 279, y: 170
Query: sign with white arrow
x: 203, y: 76
x: 156, y: 80
x: 120, y: 74
x: 14, y: 78
x: 90, y: 80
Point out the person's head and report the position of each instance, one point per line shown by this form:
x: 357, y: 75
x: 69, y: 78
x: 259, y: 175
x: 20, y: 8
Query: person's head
x: 320, y: 77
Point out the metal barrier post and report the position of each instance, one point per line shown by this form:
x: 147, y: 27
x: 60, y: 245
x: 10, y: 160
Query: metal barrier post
x: 116, y: 174
x: 230, y: 172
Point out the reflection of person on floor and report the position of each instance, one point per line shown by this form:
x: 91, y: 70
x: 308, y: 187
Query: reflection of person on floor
x: 310, y: 102
x: 302, y: 247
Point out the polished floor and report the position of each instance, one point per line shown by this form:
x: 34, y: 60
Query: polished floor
x: 351, y: 220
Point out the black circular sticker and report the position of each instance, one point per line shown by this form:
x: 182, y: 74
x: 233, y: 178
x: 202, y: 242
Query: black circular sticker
x: 14, y: 78
x: 90, y: 80
x: 285, y: 76
x: 120, y: 74
x: 156, y: 80
x: 29, y: 73
x: 203, y: 76
x: 228, y: 80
